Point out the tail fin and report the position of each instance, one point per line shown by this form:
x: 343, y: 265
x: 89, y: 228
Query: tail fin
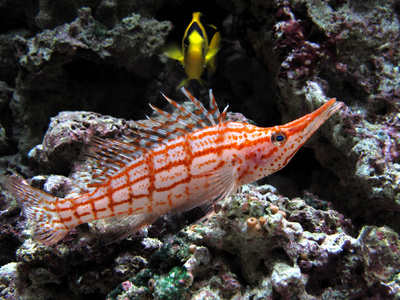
x: 40, y: 210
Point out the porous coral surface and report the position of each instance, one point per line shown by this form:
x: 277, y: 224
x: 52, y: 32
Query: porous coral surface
x: 325, y: 227
x: 308, y: 254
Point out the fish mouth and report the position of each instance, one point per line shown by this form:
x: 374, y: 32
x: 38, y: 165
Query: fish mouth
x: 319, y: 116
x: 309, y: 123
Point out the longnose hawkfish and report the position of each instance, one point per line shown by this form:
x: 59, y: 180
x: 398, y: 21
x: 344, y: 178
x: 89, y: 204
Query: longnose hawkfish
x: 191, y: 158
x: 196, y: 52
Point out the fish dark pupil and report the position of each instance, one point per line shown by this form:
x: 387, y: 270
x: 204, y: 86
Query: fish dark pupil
x: 278, y: 138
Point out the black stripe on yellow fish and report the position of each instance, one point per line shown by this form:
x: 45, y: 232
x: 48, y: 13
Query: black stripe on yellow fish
x: 194, y: 27
x: 196, y: 53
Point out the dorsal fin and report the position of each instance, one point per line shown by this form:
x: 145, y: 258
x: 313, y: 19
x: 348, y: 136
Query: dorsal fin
x: 214, y: 110
x: 102, y: 158
x: 182, y: 122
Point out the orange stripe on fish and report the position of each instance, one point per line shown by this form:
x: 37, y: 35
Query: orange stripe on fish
x: 190, y: 158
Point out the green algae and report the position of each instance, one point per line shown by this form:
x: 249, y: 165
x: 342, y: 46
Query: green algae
x: 172, y: 286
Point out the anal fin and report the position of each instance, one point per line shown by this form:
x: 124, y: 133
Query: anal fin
x: 118, y: 228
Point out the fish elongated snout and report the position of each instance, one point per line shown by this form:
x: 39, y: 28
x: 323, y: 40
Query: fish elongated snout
x: 305, y: 126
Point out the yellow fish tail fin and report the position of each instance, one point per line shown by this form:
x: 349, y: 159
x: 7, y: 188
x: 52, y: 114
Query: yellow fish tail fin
x: 183, y: 83
x: 41, y: 210
x: 202, y: 82
x: 186, y: 81
x: 173, y: 51
x: 212, y: 52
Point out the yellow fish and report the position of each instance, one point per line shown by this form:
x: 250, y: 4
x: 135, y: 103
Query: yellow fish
x: 196, y: 53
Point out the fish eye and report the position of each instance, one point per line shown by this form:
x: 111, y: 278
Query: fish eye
x: 278, y: 138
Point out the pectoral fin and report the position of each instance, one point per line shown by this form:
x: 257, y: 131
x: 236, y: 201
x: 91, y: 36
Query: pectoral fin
x: 174, y: 52
x: 217, y: 185
x: 212, y: 51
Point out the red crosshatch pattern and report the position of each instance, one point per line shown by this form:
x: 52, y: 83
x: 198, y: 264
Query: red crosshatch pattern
x: 179, y: 163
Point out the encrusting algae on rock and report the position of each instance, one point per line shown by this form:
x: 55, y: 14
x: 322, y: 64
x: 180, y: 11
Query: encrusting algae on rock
x: 310, y: 254
x: 193, y: 158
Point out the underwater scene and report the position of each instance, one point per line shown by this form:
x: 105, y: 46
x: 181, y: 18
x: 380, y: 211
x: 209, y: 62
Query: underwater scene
x: 185, y: 149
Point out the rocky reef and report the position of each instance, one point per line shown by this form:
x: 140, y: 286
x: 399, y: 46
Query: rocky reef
x: 261, y: 245
x: 325, y: 227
